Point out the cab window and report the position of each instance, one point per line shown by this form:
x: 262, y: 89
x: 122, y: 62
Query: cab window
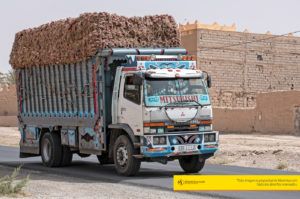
x: 132, y: 92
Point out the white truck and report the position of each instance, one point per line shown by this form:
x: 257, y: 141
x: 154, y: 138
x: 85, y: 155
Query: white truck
x: 123, y: 105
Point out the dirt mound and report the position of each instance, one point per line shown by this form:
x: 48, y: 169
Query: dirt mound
x: 75, y: 39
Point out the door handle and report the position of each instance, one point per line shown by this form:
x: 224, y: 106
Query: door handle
x: 122, y: 109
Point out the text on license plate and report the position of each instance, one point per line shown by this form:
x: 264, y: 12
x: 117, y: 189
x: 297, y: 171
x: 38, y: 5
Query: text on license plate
x: 187, y: 148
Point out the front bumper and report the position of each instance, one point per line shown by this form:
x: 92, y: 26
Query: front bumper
x: 169, y: 149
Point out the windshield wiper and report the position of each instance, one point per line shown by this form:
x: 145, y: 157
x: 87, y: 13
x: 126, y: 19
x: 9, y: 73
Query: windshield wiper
x: 197, y: 103
x: 180, y: 91
x: 181, y: 103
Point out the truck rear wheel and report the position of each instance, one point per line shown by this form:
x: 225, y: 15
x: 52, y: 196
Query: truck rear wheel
x: 125, y: 163
x: 192, y: 164
x: 51, y: 150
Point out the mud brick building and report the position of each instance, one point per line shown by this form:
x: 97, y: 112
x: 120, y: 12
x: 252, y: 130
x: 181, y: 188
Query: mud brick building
x: 243, y: 64
x: 8, y: 105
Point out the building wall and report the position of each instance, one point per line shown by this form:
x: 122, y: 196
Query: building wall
x: 8, y: 106
x: 243, y: 64
x: 275, y: 113
x: 8, y: 121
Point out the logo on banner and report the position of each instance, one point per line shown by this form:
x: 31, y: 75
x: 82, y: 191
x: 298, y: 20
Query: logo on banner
x: 172, y: 99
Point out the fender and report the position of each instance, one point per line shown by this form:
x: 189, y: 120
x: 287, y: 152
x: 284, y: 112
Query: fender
x: 129, y: 132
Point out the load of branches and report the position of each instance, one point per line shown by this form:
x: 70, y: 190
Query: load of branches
x: 76, y: 39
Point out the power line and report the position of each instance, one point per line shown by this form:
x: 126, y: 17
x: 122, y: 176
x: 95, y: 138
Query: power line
x: 247, y: 42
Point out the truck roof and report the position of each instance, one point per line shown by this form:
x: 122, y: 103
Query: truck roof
x: 121, y: 52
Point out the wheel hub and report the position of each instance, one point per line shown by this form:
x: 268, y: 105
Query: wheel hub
x: 122, y: 155
x: 46, y: 150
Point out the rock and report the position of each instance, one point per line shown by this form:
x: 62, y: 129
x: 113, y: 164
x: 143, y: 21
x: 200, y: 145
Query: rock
x: 277, y: 151
x: 258, y: 152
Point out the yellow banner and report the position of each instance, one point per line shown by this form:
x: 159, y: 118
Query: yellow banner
x: 236, y: 183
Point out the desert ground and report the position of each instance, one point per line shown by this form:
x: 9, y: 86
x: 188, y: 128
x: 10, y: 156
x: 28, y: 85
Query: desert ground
x: 44, y: 185
x: 259, y: 151
x: 251, y: 150
x: 9, y: 136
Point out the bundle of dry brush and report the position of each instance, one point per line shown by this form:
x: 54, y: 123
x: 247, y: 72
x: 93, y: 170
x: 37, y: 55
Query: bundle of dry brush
x: 75, y: 39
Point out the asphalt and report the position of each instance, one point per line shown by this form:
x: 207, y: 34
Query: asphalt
x: 153, y: 175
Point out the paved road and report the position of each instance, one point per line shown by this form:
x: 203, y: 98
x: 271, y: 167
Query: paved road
x: 151, y: 174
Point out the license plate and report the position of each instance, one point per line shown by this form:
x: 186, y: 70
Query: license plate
x: 187, y: 148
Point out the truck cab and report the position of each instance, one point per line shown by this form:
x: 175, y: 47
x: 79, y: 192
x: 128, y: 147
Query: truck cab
x: 164, y: 101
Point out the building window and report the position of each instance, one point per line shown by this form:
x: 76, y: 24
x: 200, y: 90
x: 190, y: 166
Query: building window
x: 260, y: 58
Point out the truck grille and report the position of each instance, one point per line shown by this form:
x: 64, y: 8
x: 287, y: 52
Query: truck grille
x: 185, y: 139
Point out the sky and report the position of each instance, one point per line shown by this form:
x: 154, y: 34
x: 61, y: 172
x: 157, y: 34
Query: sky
x: 259, y: 16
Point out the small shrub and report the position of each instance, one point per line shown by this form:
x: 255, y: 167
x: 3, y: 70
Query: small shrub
x: 10, y: 185
x: 281, y: 166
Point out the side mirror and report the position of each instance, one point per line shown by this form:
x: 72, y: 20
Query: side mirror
x: 137, y: 80
x: 208, y: 81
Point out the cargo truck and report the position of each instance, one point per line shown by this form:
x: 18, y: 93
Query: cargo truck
x: 123, y: 105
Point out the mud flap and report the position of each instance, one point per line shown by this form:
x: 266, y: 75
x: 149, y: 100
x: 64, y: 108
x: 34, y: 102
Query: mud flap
x: 29, y: 143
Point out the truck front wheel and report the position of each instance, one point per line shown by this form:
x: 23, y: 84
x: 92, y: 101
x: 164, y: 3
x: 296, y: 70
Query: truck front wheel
x: 51, y: 150
x: 192, y: 164
x: 125, y: 163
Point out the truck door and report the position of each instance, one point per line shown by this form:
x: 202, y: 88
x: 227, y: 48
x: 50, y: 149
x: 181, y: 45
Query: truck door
x: 130, y: 104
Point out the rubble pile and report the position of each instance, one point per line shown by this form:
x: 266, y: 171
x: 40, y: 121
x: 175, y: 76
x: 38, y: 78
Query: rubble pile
x: 75, y: 39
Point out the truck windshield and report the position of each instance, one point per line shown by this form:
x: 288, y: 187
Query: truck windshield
x: 160, y: 92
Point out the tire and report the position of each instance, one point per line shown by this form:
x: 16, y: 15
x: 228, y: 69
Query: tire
x: 67, y: 156
x: 51, y: 150
x: 83, y: 155
x: 192, y: 164
x: 104, y: 159
x: 125, y: 163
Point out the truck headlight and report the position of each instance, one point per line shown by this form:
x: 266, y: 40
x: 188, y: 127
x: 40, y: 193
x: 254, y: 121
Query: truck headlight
x: 211, y: 137
x: 197, y: 140
x: 154, y: 127
x: 146, y: 129
x: 163, y: 140
x: 152, y: 130
x: 155, y: 140
x: 174, y: 141
x: 159, y: 140
x: 160, y: 130
x: 205, y: 128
